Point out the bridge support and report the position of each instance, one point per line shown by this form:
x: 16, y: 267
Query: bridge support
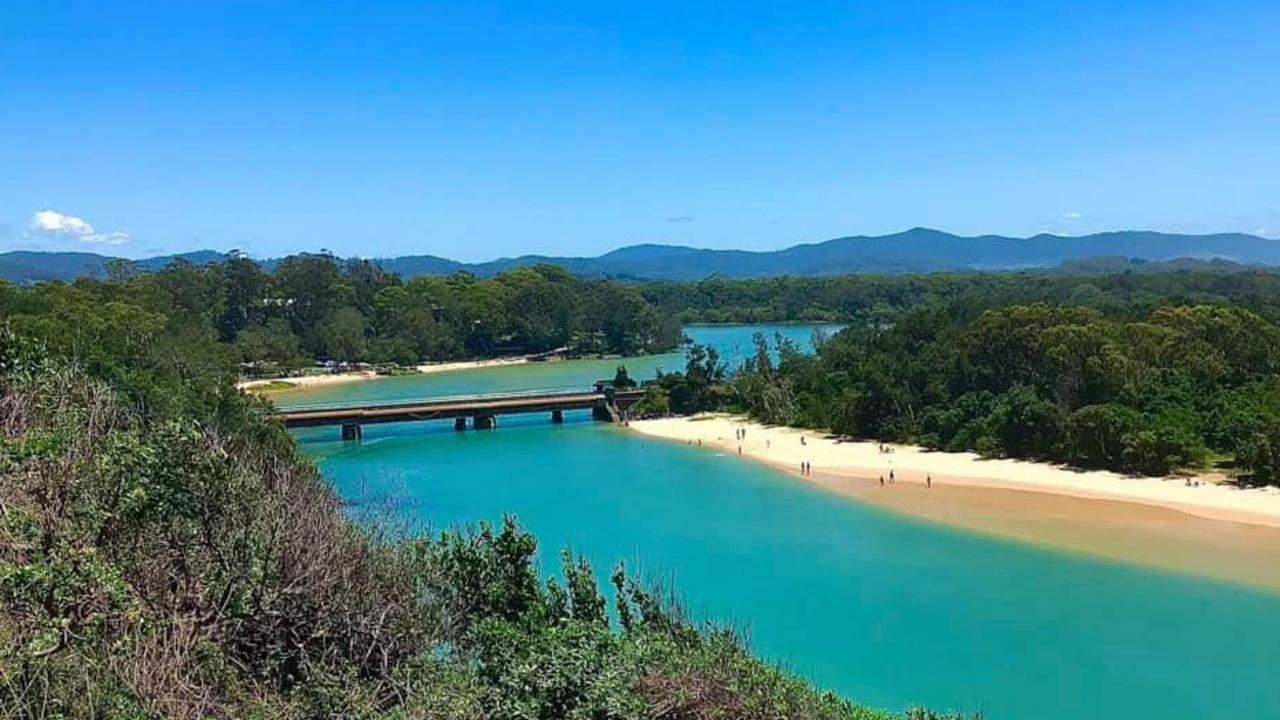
x: 603, y: 412
x: 557, y: 416
x: 460, y: 423
x: 351, y: 431
x: 484, y: 422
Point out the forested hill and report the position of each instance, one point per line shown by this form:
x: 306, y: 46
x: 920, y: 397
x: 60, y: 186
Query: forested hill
x: 915, y: 250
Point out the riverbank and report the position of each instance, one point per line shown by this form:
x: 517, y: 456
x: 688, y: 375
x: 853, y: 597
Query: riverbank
x: 301, y: 382
x: 428, y: 368
x: 1211, y: 529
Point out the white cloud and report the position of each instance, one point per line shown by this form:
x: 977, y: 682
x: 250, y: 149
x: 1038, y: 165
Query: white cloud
x: 56, y: 224
x: 1071, y: 215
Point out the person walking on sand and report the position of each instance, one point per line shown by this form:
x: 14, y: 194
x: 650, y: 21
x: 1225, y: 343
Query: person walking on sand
x: 881, y: 481
x: 890, y: 475
x: 928, y: 481
x: 802, y: 442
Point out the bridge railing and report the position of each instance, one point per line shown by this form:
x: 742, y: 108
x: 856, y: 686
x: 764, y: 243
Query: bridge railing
x: 434, y: 399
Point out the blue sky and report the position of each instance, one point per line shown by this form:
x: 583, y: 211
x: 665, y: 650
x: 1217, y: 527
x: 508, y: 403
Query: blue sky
x: 476, y: 130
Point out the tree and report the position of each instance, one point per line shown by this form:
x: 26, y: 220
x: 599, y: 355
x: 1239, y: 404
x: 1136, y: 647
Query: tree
x: 621, y: 380
x: 273, y: 342
x: 308, y: 289
x: 246, y: 286
x: 1258, y: 453
x: 343, y: 335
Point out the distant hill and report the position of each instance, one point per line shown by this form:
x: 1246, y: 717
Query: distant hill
x: 915, y: 250
x: 25, y: 266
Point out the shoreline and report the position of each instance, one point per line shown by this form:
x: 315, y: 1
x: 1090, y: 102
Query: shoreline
x: 300, y: 382
x: 1212, y: 530
x: 452, y: 365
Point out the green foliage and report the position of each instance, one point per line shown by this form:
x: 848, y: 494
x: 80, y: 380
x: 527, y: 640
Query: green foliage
x: 316, y: 307
x: 697, y: 388
x: 1140, y: 386
x: 621, y: 380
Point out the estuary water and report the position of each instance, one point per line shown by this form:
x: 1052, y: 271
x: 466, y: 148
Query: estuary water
x: 884, y: 609
x: 733, y: 342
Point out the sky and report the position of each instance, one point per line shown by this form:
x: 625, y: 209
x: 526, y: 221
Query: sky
x: 475, y: 130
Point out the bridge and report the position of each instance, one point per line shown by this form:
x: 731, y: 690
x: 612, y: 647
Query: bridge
x: 483, y: 410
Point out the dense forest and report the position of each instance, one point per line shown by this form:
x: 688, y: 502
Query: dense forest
x: 316, y: 307
x: 166, y: 552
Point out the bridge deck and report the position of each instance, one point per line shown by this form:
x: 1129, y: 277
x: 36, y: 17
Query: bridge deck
x: 445, y: 408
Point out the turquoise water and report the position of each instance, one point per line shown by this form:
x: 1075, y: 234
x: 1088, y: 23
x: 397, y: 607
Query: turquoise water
x: 732, y: 341
x: 881, y: 608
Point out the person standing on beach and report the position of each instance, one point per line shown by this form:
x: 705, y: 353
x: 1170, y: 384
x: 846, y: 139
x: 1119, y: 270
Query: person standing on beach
x: 881, y: 481
x: 928, y: 481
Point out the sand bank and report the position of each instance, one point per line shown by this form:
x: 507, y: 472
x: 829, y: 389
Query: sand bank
x: 1215, y: 530
x: 298, y: 382
x: 470, y: 364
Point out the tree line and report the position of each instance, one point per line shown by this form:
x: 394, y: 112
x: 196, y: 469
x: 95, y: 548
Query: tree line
x: 1128, y: 389
x: 316, y: 307
x: 1131, y: 289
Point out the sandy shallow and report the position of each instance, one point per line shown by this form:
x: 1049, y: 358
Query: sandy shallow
x: 1213, y: 530
x: 299, y: 382
x: 308, y: 381
x: 470, y: 364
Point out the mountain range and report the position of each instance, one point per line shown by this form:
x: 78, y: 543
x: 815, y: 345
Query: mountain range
x: 915, y: 250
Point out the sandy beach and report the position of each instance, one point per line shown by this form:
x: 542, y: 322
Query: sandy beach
x: 1214, y: 529
x: 298, y: 382
x: 470, y: 364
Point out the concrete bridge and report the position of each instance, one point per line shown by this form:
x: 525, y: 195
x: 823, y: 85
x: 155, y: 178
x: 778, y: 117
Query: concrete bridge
x: 604, y: 403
